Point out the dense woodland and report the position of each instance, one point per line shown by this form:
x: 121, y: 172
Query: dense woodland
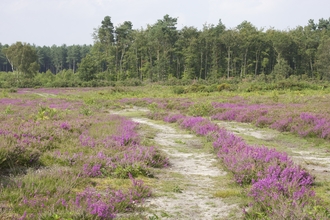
x: 54, y: 58
x: 161, y: 52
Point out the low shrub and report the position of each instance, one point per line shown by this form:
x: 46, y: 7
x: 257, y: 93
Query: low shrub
x: 276, y: 182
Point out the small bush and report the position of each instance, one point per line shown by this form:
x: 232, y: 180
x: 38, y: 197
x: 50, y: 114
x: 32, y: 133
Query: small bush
x: 223, y: 86
x: 200, y: 109
x: 178, y: 90
x: 12, y: 90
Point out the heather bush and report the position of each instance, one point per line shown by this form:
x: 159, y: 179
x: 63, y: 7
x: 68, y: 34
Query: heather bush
x: 263, y: 121
x: 190, y: 122
x: 246, y: 162
x: 173, y: 118
x: 285, y: 194
x: 156, y: 115
x: 239, y: 112
x: 275, y: 116
x: 127, y: 156
x: 32, y: 193
x: 106, y: 204
x: 205, y: 128
x: 51, y: 150
x: 311, y: 125
x: 276, y: 182
x: 136, y: 160
x: 282, y: 124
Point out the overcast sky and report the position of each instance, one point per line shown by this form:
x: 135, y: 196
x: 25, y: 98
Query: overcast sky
x: 48, y: 22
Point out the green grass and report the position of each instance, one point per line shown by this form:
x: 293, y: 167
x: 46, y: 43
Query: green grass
x: 226, y: 193
x: 229, y: 191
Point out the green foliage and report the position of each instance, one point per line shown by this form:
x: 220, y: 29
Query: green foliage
x: 323, y: 56
x: 178, y: 90
x: 281, y: 70
x: 196, y: 88
x: 223, y: 86
x: 4, y: 93
x: 45, y: 113
x: 275, y: 96
x: 153, y: 217
x: 135, y: 170
x: 283, y: 85
x: 3, y: 156
x: 17, y: 157
x: 89, y: 101
x: 200, y: 109
x: 177, y: 189
x: 161, y: 53
x: 40, y: 189
x: 12, y: 90
x: 86, y: 111
x: 87, y: 69
x: 153, y: 107
x: 225, y: 193
x: 23, y: 59
x: 8, y: 110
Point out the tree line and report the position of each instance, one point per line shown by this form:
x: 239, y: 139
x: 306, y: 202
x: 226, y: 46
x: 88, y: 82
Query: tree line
x: 161, y: 51
x: 54, y: 58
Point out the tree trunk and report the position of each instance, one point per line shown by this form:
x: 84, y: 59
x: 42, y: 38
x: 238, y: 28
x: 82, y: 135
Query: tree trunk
x: 177, y: 67
x: 158, y: 58
x: 311, y: 64
x: 205, y: 67
x: 121, y: 59
x: 228, y: 63
x: 245, y: 58
x: 257, y: 60
x: 201, y: 67
x: 74, y: 65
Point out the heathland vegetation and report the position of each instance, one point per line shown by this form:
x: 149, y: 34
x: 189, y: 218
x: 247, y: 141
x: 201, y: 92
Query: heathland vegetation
x: 63, y: 156
x: 70, y: 153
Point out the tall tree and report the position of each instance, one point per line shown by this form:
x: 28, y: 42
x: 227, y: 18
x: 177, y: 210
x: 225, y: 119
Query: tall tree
x: 4, y: 64
x: 282, y: 43
x: 104, y: 44
x: 23, y: 59
x: 217, y: 50
x: 59, y: 57
x: 123, y: 41
x: 88, y: 68
x: 73, y: 56
x: 323, y: 58
x: 248, y: 35
x: 229, y: 37
x: 189, y: 42
x: 163, y: 35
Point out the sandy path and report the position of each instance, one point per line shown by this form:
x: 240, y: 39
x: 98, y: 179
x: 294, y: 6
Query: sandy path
x: 190, y: 180
x: 193, y: 199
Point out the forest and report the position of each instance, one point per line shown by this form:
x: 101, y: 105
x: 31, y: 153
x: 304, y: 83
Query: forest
x: 161, y: 52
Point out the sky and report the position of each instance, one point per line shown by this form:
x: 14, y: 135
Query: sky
x: 49, y: 22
